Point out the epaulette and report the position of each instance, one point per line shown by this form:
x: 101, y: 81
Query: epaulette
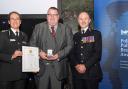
x: 4, y: 31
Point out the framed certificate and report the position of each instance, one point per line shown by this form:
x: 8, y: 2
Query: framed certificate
x: 30, y: 59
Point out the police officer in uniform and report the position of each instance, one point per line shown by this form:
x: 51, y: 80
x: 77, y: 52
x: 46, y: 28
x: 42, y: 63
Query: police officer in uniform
x: 86, y: 55
x: 11, y: 42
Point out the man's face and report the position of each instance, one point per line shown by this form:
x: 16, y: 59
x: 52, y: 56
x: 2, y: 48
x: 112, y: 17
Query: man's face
x: 84, y: 20
x: 14, y: 21
x: 52, y: 17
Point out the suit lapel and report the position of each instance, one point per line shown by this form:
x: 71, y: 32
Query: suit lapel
x: 20, y: 36
x: 59, y: 36
x: 12, y: 35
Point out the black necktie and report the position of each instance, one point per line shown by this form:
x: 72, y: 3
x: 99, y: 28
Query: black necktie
x: 82, y: 31
x: 53, y: 33
x: 17, y: 34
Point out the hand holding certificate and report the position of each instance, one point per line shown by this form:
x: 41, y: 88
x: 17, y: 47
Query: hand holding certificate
x: 30, y: 59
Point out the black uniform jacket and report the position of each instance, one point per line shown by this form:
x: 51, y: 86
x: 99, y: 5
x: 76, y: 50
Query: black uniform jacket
x: 11, y: 70
x: 87, y: 50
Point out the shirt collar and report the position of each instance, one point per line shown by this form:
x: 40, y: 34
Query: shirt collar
x: 55, y: 27
x: 85, y: 29
x: 14, y: 31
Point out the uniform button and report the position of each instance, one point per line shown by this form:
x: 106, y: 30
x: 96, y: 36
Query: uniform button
x: 82, y: 47
x: 19, y: 60
x: 82, y: 61
x: 81, y: 54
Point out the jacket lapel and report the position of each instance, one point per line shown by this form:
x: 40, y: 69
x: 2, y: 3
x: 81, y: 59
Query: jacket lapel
x: 11, y: 34
x: 59, y: 36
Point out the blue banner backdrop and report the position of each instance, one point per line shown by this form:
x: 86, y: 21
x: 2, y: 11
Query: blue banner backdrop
x: 111, y: 18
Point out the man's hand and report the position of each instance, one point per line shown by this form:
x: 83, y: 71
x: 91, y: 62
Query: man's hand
x: 43, y: 55
x: 17, y: 53
x: 54, y: 57
x: 80, y: 68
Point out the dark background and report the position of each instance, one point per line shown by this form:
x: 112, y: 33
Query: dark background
x: 69, y: 10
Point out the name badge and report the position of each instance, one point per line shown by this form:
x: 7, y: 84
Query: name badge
x: 88, y: 39
x: 24, y: 42
x: 12, y: 40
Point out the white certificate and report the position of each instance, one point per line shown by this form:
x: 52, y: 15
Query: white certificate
x: 30, y: 59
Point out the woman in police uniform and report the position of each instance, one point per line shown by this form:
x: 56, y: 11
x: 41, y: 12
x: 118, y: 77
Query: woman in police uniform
x: 11, y: 41
x: 86, y: 55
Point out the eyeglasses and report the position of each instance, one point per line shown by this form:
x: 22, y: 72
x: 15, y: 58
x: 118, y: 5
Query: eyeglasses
x: 14, y: 19
x: 52, y: 14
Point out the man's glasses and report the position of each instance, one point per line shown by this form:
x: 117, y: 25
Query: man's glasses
x: 52, y: 14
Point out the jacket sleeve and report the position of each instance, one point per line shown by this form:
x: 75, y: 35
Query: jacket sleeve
x: 25, y: 39
x: 96, y: 56
x: 34, y: 38
x: 69, y: 44
x: 73, y: 57
x: 4, y: 56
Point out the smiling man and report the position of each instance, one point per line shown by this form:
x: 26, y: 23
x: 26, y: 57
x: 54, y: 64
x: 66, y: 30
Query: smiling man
x: 55, y: 41
x: 86, y: 55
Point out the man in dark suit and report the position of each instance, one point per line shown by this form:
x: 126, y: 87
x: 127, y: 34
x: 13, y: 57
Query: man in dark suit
x: 11, y: 41
x: 55, y: 41
x: 86, y: 55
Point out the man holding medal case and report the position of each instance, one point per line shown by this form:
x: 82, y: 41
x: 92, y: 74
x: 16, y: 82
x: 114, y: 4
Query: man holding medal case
x: 54, y: 41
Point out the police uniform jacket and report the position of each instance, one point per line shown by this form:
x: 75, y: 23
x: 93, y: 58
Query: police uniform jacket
x: 87, y: 50
x: 11, y: 70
